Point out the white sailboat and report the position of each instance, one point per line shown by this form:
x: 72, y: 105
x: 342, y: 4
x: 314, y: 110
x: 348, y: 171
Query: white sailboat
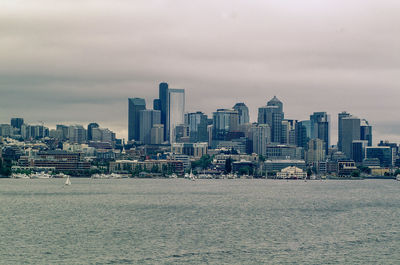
x: 68, y: 182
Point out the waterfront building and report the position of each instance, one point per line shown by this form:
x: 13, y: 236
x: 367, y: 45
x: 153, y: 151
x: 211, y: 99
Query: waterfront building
x: 190, y: 149
x: 243, y: 112
x: 135, y: 105
x: 291, y: 172
x: 385, y: 154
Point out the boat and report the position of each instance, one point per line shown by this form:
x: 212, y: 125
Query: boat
x: 68, y: 181
x: 191, y: 176
x: 398, y: 177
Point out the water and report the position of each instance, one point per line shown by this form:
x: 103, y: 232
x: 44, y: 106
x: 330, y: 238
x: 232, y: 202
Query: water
x: 133, y: 221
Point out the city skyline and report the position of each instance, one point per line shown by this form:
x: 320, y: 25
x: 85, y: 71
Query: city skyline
x: 236, y: 52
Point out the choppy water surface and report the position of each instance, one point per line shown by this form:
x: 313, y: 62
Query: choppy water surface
x: 135, y: 221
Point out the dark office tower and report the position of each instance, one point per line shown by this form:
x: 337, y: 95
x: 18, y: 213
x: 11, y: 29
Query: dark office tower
x: 320, y: 128
x: 134, y: 108
x: 273, y: 115
x: 358, y: 152
x: 17, y: 123
x: 89, y: 130
x: 147, y: 119
x: 163, y: 105
x: 350, y: 132
x: 366, y: 132
x: 197, y: 123
x: 340, y: 135
x: 303, y: 133
x: 243, y: 111
x: 157, y: 104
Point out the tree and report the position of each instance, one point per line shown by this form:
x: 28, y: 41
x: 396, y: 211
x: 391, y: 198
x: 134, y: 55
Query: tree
x: 309, y: 172
x: 355, y: 174
x: 228, y: 165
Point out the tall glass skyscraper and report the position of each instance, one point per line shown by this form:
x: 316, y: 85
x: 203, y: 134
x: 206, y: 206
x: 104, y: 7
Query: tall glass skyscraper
x: 135, y: 105
x: 273, y: 115
x: 320, y: 128
x: 176, y: 107
x: 340, y: 135
x: 148, y: 118
x: 350, y: 131
x: 243, y: 111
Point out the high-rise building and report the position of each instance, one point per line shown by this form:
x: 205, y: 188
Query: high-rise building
x: 77, y: 134
x: 147, y: 119
x: 17, y: 123
x: 303, y: 133
x: 340, y: 135
x: 176, y: 111
x: 102, y: 135
x: 273, y: 115
x: 134, y: 108
x: 320, y: 128
x: 224, y: 122
x: 63, y: 131
x: 163, y: 105
x: 261, y: 136
x: 89, y: 130
x: 366, y: 132
x: 243, y: 112
x: 358, y: 152
x: 197, y: 122
x: 288, y: 132
x: 157, y: 134
x: 316, y: 151
x: 350, y: 131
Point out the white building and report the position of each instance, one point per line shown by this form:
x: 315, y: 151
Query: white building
x: 291, y: 173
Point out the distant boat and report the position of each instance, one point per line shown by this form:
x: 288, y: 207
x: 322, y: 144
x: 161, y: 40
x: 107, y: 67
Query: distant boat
x: 191, y: 176
x: 68, y: 182
x: 398, y: 177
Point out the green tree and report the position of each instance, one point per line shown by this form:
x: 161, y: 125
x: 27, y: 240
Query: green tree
x: 355, y: 174
x: 228, y: 165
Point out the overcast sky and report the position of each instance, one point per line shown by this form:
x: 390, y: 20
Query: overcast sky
x: 77, y: 61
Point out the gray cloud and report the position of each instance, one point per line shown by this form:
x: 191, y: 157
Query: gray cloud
x: 79, y: 61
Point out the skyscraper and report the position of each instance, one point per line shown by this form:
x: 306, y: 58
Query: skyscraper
x: 176, y: 111
x: 366, y: 132
x: 224, y: 122
x: 303, y: 133
x: 135, y: 106
x: 163, y: 105
x: 147, y: 119
x: 261, y: 136
x: 320, y: 128
x: 243, y: 112
x: 89, y: 130
x: 350, y: 131
x: 17, y: 123
x: 197, y: 122
x: 273, y: 115
x: 340, y: 135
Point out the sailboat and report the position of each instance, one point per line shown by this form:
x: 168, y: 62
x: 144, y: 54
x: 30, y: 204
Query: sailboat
x: 191, y: 176
x: 68, y: 182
